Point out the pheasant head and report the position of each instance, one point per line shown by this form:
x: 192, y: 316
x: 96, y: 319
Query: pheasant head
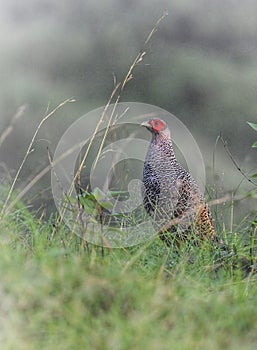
x: 158, y: 128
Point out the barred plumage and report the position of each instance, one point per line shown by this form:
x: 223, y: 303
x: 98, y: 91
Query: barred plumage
x: 170, y: 194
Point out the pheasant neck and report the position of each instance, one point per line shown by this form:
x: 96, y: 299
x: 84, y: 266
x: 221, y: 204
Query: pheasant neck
x: 163, y: 145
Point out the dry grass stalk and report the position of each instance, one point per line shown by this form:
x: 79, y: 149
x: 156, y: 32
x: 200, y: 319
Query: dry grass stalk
x: 29, y: 150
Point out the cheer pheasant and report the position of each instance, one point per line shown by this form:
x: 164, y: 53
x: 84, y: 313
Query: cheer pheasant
x: 170, y: 194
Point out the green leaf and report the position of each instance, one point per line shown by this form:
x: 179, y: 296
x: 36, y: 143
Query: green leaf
x: 254, y: 175
x: 87, y: 195
x: 106, y: 204
x: 253, y: 125
x: 90, y: 211
x: 255, y: 144
x: 98, y: 194
x: 87, y: 203
x: 117, y: 193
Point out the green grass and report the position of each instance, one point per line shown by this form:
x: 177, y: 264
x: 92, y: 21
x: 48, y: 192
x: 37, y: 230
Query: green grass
x: 56, y: 294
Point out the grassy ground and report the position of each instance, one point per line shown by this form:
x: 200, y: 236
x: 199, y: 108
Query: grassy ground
x: 55, y: 294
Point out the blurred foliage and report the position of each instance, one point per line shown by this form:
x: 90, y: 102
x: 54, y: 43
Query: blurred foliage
x: 57, y: 293
x: 200, y: 65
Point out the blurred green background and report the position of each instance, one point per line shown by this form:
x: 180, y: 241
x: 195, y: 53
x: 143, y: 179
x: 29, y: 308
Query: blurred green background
x: 201, y: 66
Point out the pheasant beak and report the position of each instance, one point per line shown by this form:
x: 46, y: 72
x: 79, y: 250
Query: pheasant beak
x: 146, y: 125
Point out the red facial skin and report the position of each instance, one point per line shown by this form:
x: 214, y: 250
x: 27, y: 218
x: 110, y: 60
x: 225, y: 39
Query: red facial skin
x: 157, y: 125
